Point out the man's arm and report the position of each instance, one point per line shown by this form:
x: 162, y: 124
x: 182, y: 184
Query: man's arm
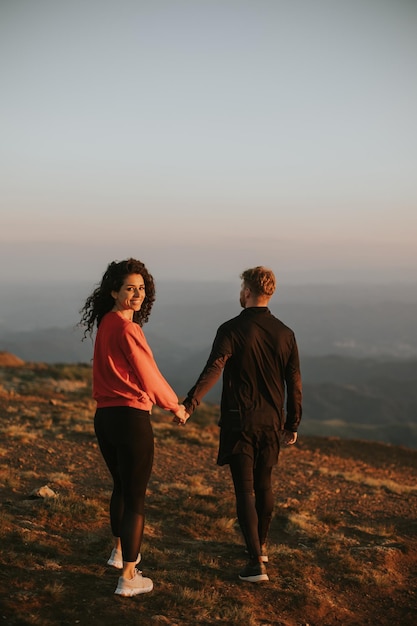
x: 220, y: 353
x: 294, y: 391
x: 207, y: 379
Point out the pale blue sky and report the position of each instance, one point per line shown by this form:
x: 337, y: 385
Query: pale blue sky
x: 206, y: 136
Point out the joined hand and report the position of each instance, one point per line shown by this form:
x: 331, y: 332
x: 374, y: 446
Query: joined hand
x: 181, y: 416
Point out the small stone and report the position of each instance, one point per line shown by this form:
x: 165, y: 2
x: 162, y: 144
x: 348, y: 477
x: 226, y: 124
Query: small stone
x: 43, y: 492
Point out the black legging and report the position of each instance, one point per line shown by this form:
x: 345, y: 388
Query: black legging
x: 126, y: 441
x: 254, y: 500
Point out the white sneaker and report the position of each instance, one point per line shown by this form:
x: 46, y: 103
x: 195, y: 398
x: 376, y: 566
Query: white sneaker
x: 116, y: 559
x: 138, y: 584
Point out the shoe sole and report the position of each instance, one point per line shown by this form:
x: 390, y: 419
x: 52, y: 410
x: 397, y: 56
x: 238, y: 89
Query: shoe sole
x: 258, y: 578
x: 116, y: 564
x: 128, y: 593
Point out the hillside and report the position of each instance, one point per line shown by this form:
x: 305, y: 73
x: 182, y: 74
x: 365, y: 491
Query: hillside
x: 357, y: 342
x: 372, y: 398
x: 342, y: 546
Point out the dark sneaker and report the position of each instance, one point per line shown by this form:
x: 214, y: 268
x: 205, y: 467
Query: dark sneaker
x: 254, y: 573
x: 138, y: 584
x: 116, y: 559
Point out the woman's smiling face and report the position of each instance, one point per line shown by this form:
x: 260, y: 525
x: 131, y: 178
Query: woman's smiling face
x: 130, y: 296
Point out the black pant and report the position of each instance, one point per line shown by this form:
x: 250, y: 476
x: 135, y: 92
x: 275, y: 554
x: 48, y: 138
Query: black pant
x: 126, y: 441
x: 254, y: 500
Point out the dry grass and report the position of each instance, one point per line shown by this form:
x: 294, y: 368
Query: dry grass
x: 342, y: 542
x: 377, y: 483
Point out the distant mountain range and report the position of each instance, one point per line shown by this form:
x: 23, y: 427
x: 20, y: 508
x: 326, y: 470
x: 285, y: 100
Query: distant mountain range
x: 370, y: 398
x: 358, y: 349
x: 349, y: 320
x: 356, y: 398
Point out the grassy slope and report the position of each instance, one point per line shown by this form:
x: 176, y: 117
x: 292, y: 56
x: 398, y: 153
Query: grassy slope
x: 343, y: 539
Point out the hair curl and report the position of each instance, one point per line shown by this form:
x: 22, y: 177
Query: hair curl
x: 260, y: 280
x: 101, y: 301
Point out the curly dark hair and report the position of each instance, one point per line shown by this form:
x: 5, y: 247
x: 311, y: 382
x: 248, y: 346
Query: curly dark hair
x: 101, y: 301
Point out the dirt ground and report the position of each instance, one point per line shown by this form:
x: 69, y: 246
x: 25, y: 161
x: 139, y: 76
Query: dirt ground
x: 342, y: 547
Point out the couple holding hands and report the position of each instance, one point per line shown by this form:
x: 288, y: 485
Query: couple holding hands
x: 260, y: 408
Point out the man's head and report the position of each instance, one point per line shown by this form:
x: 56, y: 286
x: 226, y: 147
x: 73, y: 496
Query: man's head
x: 258, y: 286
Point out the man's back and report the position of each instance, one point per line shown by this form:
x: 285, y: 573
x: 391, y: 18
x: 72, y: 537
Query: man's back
x: 260, y: 359
x: 263, y: 360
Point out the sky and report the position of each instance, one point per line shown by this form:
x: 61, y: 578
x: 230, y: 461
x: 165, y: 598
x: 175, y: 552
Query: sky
x: 207, y: 136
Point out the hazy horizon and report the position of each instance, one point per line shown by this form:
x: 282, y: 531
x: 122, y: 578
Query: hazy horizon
x: 348, y: 319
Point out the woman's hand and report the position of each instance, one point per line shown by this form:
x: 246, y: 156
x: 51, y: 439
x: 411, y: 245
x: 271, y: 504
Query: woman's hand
x: 181, y: 416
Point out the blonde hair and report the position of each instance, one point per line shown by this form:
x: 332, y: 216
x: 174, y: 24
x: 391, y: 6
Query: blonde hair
x: 260, y: 280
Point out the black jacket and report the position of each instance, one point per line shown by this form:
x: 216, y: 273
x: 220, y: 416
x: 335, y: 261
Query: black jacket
x: 258, y: 355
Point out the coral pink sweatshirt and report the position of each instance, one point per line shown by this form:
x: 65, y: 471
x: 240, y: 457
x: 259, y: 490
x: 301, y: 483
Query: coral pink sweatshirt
x: 124, y: 370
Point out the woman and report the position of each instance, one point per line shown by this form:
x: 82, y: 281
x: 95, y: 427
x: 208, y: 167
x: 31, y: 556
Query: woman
x: 126, y: 384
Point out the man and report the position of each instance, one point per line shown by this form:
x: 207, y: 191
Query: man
x: 259, y: 358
